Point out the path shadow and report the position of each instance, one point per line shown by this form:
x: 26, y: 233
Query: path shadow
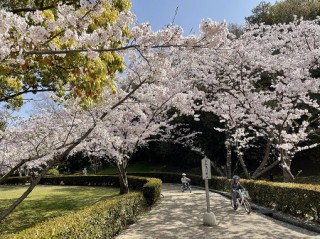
x: 179, y: 215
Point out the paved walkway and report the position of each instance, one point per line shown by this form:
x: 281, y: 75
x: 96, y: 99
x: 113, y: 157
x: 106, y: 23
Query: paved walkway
x: 179, y: 215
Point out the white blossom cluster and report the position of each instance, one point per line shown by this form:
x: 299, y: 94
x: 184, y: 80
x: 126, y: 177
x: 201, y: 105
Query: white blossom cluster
x: 259, y: 85
x: 263, y: 84
x: 35, y: 31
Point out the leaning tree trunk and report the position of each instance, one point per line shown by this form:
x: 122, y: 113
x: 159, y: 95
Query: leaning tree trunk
x: 64, y: 154
x: 123, y: 178
x: 218, y: 170
x: 17, y: 166
x: 286, y: 167
x: 243, y: 164
x: 266, y: 169
x: 264, y: 161
x: 241, y: 160
x: 33, y: 184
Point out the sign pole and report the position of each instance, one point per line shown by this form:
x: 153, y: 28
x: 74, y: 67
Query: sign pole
x: 209, y: 219
x: 207, y: 194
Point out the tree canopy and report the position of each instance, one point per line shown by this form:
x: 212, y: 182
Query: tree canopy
x: 62, y: 47
x: 284, y: 11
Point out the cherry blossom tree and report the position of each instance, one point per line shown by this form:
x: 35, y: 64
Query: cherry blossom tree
x: 151, y: 64
x: 144, y: 114
x: 76, y: 51
x: 264, y: 84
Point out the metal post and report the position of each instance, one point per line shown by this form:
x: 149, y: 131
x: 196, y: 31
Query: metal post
x: 209, y: 219
x: 207, y: 194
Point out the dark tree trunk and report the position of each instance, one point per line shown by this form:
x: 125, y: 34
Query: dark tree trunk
x: 264, y: 162
x: 243, y: 164
x: 218, y: 170
x: 123, y: 178
x: 228, y: 161
x: 266, y: 169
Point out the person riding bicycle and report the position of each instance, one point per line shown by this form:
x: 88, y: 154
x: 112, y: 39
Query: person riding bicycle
x: 184, y: 180
x: 235, y: 186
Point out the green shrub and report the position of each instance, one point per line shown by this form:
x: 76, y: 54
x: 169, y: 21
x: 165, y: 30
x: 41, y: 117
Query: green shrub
x: 102, y: 220
x: 53, y: 171
x: 300, y: 200
x: 152, y: 190
x: 75, y: 180
x: 17, y: 180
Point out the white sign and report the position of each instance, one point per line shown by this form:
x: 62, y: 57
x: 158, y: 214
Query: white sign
x: 206, y: 168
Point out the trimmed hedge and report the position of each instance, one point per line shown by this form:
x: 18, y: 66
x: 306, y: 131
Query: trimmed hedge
x: 152, y: 190
x: 301, y: 200
x: 102, y: 220
x: 17, y: 180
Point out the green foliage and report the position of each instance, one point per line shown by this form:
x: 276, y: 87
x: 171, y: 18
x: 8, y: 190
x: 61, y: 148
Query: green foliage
x: 75, y: 162
x: 140, y: 166
x: 53, y: 172
x: 284, y: 11
x: 102, y: 220
x: 152, y: 190
x: 300, y: 200
x: 17, y: 4
x: 260, y: 13
x: 235, y: 29
x: 74, y: 75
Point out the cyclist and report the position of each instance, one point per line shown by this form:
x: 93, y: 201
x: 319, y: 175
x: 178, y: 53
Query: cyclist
x: 235, y: 186
x: 185, y: 181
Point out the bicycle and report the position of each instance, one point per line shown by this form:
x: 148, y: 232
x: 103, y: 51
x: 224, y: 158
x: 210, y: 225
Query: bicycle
x: 242, y: 200
x: 185, y: 187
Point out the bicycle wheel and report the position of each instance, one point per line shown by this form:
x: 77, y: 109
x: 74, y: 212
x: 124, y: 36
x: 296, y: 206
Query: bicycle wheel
x: 247, y: 206
x: 190, y: 188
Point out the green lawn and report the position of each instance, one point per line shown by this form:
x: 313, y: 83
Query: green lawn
x: 142, y: 167
x: 139, y: 167
x: 46, y: 202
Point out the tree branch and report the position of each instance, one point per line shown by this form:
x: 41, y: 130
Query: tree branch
x: 9, y: 97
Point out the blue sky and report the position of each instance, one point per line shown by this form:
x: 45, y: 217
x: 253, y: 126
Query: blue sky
x: 159, y: 13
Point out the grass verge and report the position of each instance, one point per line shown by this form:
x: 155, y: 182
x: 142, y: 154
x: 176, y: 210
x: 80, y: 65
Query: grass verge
x: 47, y: 202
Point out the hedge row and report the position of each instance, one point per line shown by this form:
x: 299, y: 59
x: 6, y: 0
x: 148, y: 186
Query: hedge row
x: 102, y: 220
x: 301, y: 200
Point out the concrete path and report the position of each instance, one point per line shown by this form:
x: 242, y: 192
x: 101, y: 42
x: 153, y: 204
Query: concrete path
x: 179, y: 215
